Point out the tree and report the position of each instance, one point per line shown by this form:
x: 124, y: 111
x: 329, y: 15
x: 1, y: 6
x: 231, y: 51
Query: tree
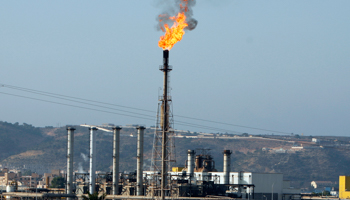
x: 326, y: 193
x: 245, y: 134
x: 57, y: 182
x: 94, y: 196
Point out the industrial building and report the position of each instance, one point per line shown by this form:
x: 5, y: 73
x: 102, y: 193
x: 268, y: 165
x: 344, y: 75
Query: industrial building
x: 200, y: 174
x: 198, y: 178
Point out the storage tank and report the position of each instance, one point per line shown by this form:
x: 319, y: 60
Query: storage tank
x: 10, y: 188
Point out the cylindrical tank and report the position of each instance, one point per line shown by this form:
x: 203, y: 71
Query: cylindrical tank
x: 92, y: 159
x: 47, y: 181
x: 70, y: 153
x: 139, y: 178
x: 227, y: 166
x: 10, y: 188
x: 116, y: 147
x: 198, y: 162
x: 208, y: 165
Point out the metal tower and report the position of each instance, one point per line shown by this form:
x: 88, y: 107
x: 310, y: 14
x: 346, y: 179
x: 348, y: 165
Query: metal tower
x: 163, y: 155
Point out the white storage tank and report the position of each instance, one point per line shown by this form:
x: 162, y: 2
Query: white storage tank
x: 10, y: 188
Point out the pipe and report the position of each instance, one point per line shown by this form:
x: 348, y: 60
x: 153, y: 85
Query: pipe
x: 116, y: 147
x: 190, y: 162
x: 227, y: 166
x: 139, y: 179
x: 165, y: 57
x: 70, y: 153
x: 92, y: 159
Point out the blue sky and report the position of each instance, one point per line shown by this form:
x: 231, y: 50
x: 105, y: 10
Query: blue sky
x: 277, y: 65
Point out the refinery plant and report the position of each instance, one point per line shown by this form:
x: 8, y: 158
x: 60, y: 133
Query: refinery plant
x: 254, y: 73
x: 196, y: 179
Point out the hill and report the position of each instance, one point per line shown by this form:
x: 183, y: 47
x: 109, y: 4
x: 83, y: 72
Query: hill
x: 15, y: 138
x: 43, y: 149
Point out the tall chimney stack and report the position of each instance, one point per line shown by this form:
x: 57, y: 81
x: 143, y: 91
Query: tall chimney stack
x: 165, y: 123
x: 116, y: 148
x: 70, y: 153
x: 190, y: 162
x: 227, y: 166
x: 139, y: 175
x: 92, y: 159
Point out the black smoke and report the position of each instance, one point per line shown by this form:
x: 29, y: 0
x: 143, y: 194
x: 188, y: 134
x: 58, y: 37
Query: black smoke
x: 170, y: 8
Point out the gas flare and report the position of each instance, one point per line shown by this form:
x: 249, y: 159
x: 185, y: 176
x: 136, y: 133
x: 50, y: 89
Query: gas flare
x: 181, y: 21
x: 173, y: 34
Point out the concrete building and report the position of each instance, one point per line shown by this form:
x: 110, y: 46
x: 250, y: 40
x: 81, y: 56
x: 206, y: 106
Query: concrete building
x: 334, y: 193
x: 29, y: 181
x: 315, y: 140
x: 265, y: 184
x: 322, y: 184
x: 251, y: 185
x: 290, y: 192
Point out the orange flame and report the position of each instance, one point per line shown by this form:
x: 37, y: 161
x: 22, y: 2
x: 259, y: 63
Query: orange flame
x: 175, y: 33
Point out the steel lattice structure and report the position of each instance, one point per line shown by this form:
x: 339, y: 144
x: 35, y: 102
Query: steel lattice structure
x: 163, y: 155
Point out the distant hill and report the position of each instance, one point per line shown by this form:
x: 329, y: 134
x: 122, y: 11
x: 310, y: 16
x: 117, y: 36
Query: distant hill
x: 43, y: 149
x: 15, y: 138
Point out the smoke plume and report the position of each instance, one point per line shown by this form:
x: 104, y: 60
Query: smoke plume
x: 171, y: 8
x: 85, y: 157
x: 80, y: 168
x: 80, y: 164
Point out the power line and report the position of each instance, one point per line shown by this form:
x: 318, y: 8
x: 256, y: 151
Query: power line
x: 70, y: 98
x: 38, y: 91
x: 86, y: 108
x: 223, y: 123
x: 72, y: 105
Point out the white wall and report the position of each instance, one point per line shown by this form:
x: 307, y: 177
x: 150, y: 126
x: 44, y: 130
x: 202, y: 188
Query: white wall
x: 235, y: 177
